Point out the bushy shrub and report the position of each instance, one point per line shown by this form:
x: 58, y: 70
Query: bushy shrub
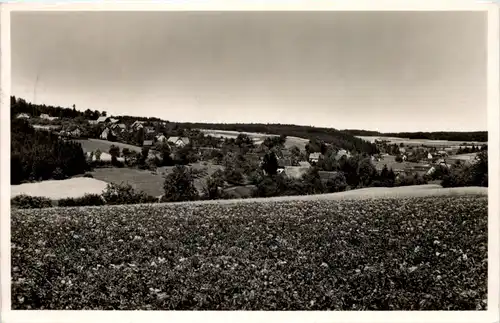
x: 86, y: 200
x: 30, y: 202
x: 336, y: 184
x: 179, y: 185
x: 124, y: 193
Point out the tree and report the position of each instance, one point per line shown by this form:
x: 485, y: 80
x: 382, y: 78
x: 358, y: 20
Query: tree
x: 165, y: 152
x: 97, y: 155
x: 140, y: 137
x: 126, y: 153
x: 179, y: 185
x: 270, y: 163
x: 104, y: 113
x: 114, y: 151
x: 366, y: 172
x: 213, y: 185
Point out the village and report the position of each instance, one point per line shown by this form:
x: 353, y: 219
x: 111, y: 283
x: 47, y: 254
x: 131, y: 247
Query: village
x: 208, y: 153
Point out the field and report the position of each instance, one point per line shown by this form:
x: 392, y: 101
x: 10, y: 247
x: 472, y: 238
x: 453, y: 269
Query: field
x: 73, y: 187
x: 90, y: 144
x: 339, y: 254
x: 258, y: 138
x: 150, y: 183
x: 418, y: 142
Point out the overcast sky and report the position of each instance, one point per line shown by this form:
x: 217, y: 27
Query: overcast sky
x: 386, y: 71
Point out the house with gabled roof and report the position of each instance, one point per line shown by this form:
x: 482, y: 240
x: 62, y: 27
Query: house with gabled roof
x: 23, y: 116
x: 106, y: 133
x: 161, y: 138
x: 179, y: 141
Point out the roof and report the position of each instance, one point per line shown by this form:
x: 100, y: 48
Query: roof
x: 113, y: 120
x: 23, y: 115
x: 102, y: 119
x: 147, y: 143
x: 314, y: 155
x: 283, y: 162
x: 185, y: 140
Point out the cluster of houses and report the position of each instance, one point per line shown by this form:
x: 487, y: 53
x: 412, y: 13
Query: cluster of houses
x: 314, y: 157
x: 43, y: 116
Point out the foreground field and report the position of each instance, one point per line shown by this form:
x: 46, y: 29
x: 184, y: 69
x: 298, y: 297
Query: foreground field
x: 346, y: 254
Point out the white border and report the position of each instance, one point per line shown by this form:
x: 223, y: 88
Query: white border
x: 492, y: 315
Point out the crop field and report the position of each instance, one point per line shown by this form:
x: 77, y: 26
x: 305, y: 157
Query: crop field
x: 419, y: 253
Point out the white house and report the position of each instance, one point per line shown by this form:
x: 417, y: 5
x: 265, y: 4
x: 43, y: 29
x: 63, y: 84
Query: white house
x: 161, y: 138
x: 429, y: 156
x: 314, y: 157
x: 105, y: 134
x: 47, y: 117
x: 23, y: 116
x: 137, y: 125
x: 341, y: 153
x: 179, y: 141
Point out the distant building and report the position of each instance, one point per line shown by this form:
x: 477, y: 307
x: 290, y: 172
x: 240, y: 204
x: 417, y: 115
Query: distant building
x: 314, y: 157
x: 23, y: 116
x: 106, y: 134
x: 341, y: 153
x: 112, y: 120
x: 429, y: 156
x: 161, y: 138
x: 102, y: 119
x: 47, y: 117
x: 147, y: 143
x: 179, y: 141
x: 137, y: 125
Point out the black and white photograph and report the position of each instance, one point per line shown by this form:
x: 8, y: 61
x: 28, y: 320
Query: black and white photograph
x: 267, y: 160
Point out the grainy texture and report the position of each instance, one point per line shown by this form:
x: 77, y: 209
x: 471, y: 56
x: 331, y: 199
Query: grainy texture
x: 394, y: 254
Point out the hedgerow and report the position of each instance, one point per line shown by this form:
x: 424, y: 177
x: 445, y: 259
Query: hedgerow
x: 383, y: 254
x: 24, y: 201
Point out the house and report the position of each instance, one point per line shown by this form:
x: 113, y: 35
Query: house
x: 402, y: 150
x: 76, y: 132
x: 179, y: 141
x: 149, y: 130
x: 106, y: 133
x: 314, y: 157
x: 429, y: 156
x: 113, y: 121
x: 404, y: 158
x: 102, y: 119
x: 341, y: 153
x: 92, y: 122
x: 137, y: 125
x: 161, y: 138
x: 147, y: 143
x: 47, y: 117
x: 23, y: 116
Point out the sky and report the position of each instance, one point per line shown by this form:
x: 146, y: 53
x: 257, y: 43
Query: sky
x: 384, y: 71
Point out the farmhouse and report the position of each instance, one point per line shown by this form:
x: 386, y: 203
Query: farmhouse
x: 106, y: 134
x: 102, y: 119
x: 341, y: 153
x: 161, y: 138
x: 47, y: 117
x: 23, y: 116
x: 113, y: 121
x: 149, y: 130
x: 179, y: 141
x: 314, y: 157
x: 137, y: 125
